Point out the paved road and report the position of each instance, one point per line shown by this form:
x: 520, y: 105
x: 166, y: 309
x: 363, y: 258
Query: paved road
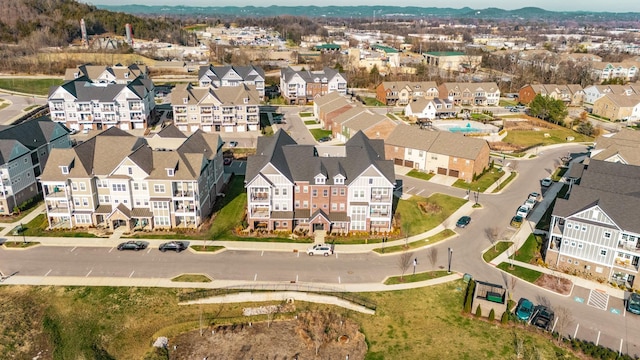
x: 18, y: 103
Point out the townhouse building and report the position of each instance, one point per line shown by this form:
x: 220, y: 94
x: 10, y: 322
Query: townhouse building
x: 301, y: 87
x: 116, y: 74
x: 618, y: 107
x: 571, y: 95
x: 25, y: 149
x: 622, y: 147
x: 225, y: 109
x: 429, y: 109
x: 336, y: 189
x: 437, y: 152
x: 401, y: 93
x: 452, y: 60
x: 116, y: 179
x: 595, y: 92
x: 327, y: 107
x: 83, y: 103
x: 595, y: 232
x: 359, y: 118
x: 626, y: 71
x: 223, y: 76
x: 479, y: 94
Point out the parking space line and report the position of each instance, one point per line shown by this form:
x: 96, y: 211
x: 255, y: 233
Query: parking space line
x: 255, y: 277
x: 262, y: 253
x: 130, y: 275
x: 339, y: 280
x: 575, y: 333
x: 419, y: 192
x: 89, y: 273
x: 598, y: 338
x: 75, y: 247
x: 110, y: 250
x: 48, y: 272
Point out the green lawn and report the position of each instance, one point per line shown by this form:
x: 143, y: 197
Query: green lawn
x: 192, y: 278
x: 483, y: 182
x: 420, y: 175
x: 559, y: 173
x: 20, y: 244
x: 496, y: 250
x: 504, y: 103
x: 122, y: 323
x: 442, y: 235
x: 521, y: 272
x: 410, y: 277
x: 39, y: 227
x: 229, y: 210
x: 29, y: 86
x: 310, y: 122
x: 206, y: 248
x: 526, y: 138
x: 414, y: 221
x: 305, y: 114
x: 530, y: 249
x: 369, y: 101
x: 319, y: 133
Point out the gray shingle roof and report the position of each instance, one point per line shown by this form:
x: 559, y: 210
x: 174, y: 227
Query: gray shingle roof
x: 302, y: 163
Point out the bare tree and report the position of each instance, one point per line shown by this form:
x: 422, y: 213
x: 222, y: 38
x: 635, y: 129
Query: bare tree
x: 432, y: 254
x: 514, y: 165
x: 404, y: 262
x: 493, y: 233
x: 320, y: 327
x: 518, y: 345
x: 564, y: 317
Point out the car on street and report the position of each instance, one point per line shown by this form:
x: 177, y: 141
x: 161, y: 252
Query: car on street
x: 516, y: 221
x: 529, y: 203
x: 542, y: 317
x: 546, y: 182
x: 524, y: 310
x: 534, y: 196
x: 324, y: 139
x: 633, y: 304
x: 463, y: 221
x: 132, y: 245
x: 522, y: 211
x: 320, y: 249
x: 176, y: 246
x: 233, y: 144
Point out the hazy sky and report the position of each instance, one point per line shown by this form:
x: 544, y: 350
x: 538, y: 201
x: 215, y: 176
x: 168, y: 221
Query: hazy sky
x: 566, y: 5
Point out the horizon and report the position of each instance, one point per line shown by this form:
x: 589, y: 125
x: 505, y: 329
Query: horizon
x: 619, y: 6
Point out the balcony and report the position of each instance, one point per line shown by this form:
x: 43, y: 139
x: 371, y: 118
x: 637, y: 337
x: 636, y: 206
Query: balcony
x: 180, y: 119
x: 205, y: 110
x: 57, y: 108
x: 260, y: 212
x: 179, y: 110
x: 252, y: 110
x: 379, y: 214
x: 260, y: 197
x: 57, y: 209
x: 180, y: 193
x: 227, y: 112
x: 55, y: 192
x: 380, y: 198
x: 83, y: 108
x: 626, y: 264
x: 108, y: 109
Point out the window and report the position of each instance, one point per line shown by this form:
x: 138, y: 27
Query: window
x: 334, y: 192
x: 342, y: 192
x: 74, y: 186
x: 85, y: 201
x: 83, y: 186
x: 607, y: 234
x: 130, y: 170
x: 584, y: 228
x: 118, y: 187
x: 341, y: 206
x: 305, y: 204
x: 305, y: 189
x: 276, y: 191
x: 325, y: 192
x: 159, y: 188
x: 297, y: 189
x: 334, y: 206
x: 603, y: 252
x: 573, y: 244
x: 314, y: 193
x: 580, y: 245
x: 135, y: 186
x: 284, y: 192
x: 170, y: 172
x: 569, y: 261
x: 297, y: 204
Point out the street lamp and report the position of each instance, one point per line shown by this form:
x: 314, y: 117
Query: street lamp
x: 24, y: 239
x: 477, y: 195
x: 450, y: 253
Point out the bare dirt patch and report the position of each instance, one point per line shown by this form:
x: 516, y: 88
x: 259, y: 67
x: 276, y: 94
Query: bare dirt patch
x: 556, y: 284
x: 333, y: 336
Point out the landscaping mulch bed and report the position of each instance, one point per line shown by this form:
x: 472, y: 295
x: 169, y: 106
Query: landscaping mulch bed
x: 556, y: 284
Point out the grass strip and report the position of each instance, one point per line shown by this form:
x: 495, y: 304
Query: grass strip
x: 394, y: 280
x: 442, y: 235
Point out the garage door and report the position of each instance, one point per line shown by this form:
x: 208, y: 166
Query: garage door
x: 408, y: 163
x: 442, y: 171
x: 454, y: 173
x: 397, y: 161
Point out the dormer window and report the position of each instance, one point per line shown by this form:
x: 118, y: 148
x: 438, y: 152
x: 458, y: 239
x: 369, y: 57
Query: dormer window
x: 320, y: 179
x: 185, y: 100
x: 65, y: 169
x: 246, y: 100
x: 76, y: 75
x: 170, y: 172
x: 339, y: 181
x: 126, y: 75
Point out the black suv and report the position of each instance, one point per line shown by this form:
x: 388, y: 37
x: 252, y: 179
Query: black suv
x: 132, y: 245
x: 542, y: 317
x: 176, y: 246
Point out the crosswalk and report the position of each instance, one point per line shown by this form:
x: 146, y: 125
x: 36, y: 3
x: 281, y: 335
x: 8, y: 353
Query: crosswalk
x: 598, y: 299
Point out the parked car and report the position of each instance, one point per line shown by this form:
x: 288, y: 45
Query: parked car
x: 463, y: 221
x: 524, y: 310
x: 132, y: 245
x: 320, y: 249
x: 324, y: 139
x: 542, y: 317
x: 633, y: 304
x: 233, y: 144
x: 516, y: 221
x: 529, y: 203
x: 522, y: 211
x: 176, y: 246
x: 546, y: 182
x: 534, y: 196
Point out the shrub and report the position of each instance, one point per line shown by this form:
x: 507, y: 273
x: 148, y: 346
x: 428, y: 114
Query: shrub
x: 469, y: 297
x: 492, y: 314
x: 505, y: 317
x: 478, y: 311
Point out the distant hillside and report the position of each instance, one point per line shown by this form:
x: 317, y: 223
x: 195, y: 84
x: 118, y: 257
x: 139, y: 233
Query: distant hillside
x: 59, y: 21
x: 527, y: 13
